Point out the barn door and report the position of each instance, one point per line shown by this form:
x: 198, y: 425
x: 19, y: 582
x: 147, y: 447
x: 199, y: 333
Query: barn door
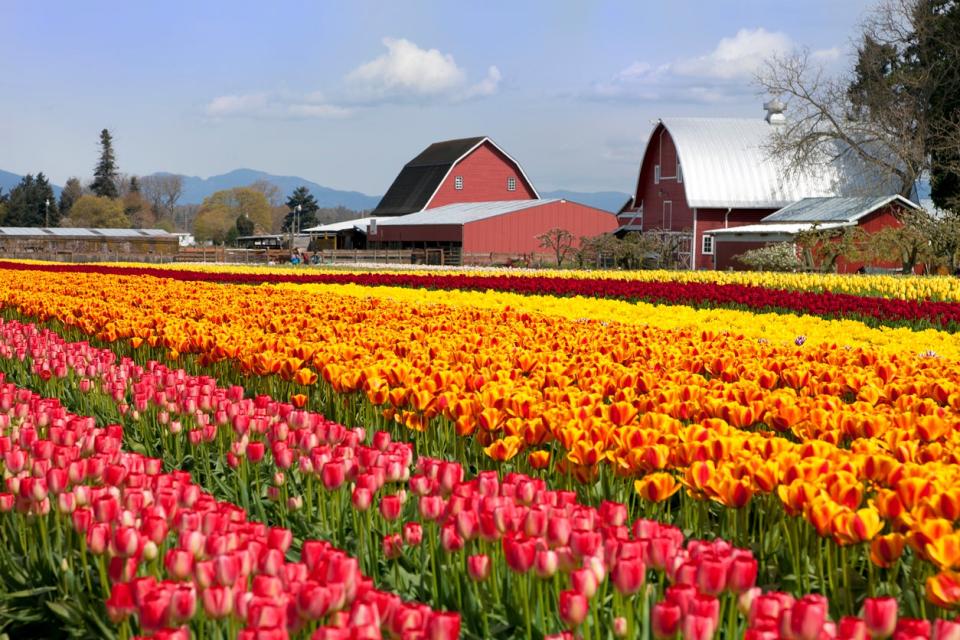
x: 667, y: 215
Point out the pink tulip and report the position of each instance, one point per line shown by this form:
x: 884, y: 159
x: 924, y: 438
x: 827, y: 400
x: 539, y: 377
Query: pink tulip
x: 628, y: 575
x: 573, y: 608
x: 478, y: 567
x: 880, y: 616
x: 665, y: 620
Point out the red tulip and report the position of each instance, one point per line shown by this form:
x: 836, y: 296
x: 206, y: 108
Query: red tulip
x: 392, y: 546
x: 333, y: 475
x: 430, y: 507
x: 573, y: 608
x: 880, y: 616
x: 628, y: 575
x: 558, y: 531
x: 313, y: 601
x: 519, y: 553
x: 665, y: 620
x: 361, y: 499
x: 443, y: 626
x: 946, y: 629
x: 390, y: 507
x: 851, y: 628
x: 450, y: 540
x: 478, y: 567
x: 697, y: 628
x: 743, y: 574
x: 98, y: 537
x: 545, y: 563
x: 681, y: 595
x: 585, y: 543
x: 412, y: 533
x: 120, y: 604
x: 584, y: 581
x: 179, y: 564
x: 807, y: 617
x: 217, y: 602
x: 255, y: 451
x: 183, y: 604
x: 712, y: 575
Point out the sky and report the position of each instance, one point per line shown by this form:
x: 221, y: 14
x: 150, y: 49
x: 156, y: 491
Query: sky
x: 345, y: 93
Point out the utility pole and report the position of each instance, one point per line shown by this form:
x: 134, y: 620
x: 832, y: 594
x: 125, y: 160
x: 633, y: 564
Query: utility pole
x: 46, y: 212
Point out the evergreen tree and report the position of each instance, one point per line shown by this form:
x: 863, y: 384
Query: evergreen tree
x: 244, y: 226
x: 32, y: 204
x: 105, y: 175
x: 70, y: 194
x: 308, y: 210
x: 943, y: 63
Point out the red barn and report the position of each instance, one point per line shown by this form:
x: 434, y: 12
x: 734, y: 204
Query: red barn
x: 870, y: 214
x: 702, y: 174
x: 464, y: 170
x: 492, y: 231
x: 467, y: 200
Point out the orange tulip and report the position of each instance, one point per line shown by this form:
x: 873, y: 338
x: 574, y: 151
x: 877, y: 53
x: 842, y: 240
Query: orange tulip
x: 505, y: 448
x: 886, y: 549
x: 298, y: 400
x: 943, y: 589
x: 657, y: 487
x: 538, y: 459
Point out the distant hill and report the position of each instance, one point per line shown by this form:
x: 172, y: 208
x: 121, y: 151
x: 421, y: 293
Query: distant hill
x: 196, y: 189
x: 9, y: 180
x: 606, y: 200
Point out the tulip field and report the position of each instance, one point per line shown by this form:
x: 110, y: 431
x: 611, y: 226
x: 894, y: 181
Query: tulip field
x: 268, y: 453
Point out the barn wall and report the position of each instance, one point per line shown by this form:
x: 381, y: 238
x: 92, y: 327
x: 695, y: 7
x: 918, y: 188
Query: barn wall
x: 419, y: 233
x: 713, y: 219
x: 485, y: 173
x: 651, y: 196
x: 517, y: 232
x: 728, y: 250
x: 880, y: 219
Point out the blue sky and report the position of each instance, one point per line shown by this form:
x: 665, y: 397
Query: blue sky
x: 344, y: 93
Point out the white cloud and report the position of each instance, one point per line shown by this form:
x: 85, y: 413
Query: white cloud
x: 723, y: 74
x: 408, y: 72
x: 736, y: 57
x: 236, y: 105
x: 273, y: 106
x: 404, y: 73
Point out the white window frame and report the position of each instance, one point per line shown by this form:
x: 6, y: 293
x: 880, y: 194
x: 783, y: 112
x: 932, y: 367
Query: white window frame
x: 667, y: 218
x: 679, y: 172
x: 511, y: 184
x: 703, y: 244
x: 458, y: 183
x: 656, y: 174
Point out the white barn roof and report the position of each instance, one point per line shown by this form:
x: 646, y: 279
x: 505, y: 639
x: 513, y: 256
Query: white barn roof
x: 463, y: 212
x: 834, y: 209
x: 725, y: 164
x: 345, y: 225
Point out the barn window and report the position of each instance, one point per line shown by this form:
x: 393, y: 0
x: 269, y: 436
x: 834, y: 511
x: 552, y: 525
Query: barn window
x: 458, y: 183
x: 511, y: 184
x: 679, y: 172
x: 707, y: 246
x: 656, y: 174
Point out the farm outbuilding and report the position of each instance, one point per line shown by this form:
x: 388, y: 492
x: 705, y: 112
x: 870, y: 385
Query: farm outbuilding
x: 698, y: 175
x: 870, y: 214
x: 490, y: 231
x: 82, y: 244
x: 462, y: 170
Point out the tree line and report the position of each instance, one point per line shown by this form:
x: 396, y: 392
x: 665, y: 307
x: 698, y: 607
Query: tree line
x: 116, y: 200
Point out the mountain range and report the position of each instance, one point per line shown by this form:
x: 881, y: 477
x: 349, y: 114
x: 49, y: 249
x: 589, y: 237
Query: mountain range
x: 195, y: 189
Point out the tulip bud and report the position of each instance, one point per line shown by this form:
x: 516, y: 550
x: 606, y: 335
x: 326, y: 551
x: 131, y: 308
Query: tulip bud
x: 545, y: 563
x: 665, y: 620
x: 880, y: 616
x: 573, y: 608
x: 478, y: 567
x: 412, y: 533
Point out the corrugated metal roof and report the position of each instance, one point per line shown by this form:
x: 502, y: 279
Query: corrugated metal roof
x: 788, y: 228
x: 334, y: 227
x: 725, y: 163
x: 463, y: 212
x: 833, y: 209
x: 82, y: 232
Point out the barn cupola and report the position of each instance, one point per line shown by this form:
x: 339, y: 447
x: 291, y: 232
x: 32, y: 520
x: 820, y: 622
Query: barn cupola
x: 775, y: 109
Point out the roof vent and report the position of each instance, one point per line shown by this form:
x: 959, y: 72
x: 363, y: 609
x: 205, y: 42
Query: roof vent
x: 775, y: 109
